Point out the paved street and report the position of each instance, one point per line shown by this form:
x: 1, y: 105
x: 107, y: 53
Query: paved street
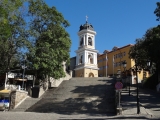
x: 54, y: 116
x: 150, y: 99
x: 149, y: 103
x: 87, y: 99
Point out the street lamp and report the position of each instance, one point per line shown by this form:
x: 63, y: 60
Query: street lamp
x: 124, y: 64
x: 148, y: 65
x: 24, y: 67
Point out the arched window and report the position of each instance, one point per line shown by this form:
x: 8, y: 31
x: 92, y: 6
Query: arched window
x: 90, y: 58
x: 90, y: 41
x: 81, y: 42
x: 80, y: 60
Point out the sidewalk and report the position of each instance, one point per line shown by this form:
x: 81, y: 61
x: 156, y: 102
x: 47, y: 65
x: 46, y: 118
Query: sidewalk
x: 129, y: 103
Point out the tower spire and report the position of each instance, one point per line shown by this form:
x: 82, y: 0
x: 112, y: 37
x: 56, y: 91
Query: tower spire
x: 86, y: 19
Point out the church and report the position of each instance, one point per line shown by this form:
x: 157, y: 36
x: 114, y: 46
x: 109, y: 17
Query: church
x: 85, y: 64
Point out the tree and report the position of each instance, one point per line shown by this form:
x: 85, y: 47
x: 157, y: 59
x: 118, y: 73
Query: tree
x: 51, y: 44
x: 12, y: 33
x: 138, y: 53
x: 147, y: 48
x: 157, y: 11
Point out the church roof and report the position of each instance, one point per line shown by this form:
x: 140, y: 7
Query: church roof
x: 86, y: 26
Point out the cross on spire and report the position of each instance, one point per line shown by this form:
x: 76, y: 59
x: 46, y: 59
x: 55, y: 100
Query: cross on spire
x: 86, y: 18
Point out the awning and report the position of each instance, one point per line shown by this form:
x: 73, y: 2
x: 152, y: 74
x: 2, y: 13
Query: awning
x: 18, y: 79
x: 5, y: 91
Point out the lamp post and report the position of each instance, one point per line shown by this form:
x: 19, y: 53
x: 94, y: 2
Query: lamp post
x: 136, y: 67
x: 24, y: 67
x: 124, y: 66
x: 106, y: 64
x: 138, y: 107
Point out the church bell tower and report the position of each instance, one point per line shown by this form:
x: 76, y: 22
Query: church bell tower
x: 86, y: 55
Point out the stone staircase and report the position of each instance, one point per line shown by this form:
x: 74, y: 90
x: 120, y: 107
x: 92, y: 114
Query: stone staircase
x: 79, y: 95
x: 28, y: 102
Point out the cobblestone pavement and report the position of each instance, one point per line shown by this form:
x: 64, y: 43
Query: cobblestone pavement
x: 79, y: 96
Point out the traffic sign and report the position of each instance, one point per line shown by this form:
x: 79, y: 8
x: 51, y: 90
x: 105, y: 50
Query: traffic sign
x: 118, y: 85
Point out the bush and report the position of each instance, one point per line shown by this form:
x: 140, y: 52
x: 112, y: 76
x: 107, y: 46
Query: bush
x: 150, y: 82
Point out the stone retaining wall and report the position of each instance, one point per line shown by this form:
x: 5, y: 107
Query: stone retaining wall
x: 16, y: 97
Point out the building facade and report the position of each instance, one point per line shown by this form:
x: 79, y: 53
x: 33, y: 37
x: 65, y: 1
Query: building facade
x: 110, y: 64
x: 102, y: 64
x: 86, y: 55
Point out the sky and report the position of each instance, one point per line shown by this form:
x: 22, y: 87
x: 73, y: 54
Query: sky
x: 117, y: 22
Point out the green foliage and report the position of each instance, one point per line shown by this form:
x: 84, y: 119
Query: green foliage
x: 147, y: 48
x: 43, y: 35
x: 12, y: 34
x: 150, y: 82
x: 52, y: 42
x: 157, y: 11
x: 152, y: 43
x: 138, y: 53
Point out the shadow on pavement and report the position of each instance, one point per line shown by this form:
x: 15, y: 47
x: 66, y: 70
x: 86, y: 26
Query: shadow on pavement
x: 95, y: 99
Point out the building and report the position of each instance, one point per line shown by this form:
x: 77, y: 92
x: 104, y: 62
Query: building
x: 110, y: 63
x: 102, y: 64
x: 86, y: 55
x: 72, y: 65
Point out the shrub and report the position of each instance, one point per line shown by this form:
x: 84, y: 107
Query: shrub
x: 150, y: 82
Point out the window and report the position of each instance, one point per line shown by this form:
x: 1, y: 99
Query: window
x: 80, y: 60
x: 90, y: 58
x: 81, y: 42
x: 117, y: 55
x: 90, y: 41
x: 100, y: 68
x: 124, y: 53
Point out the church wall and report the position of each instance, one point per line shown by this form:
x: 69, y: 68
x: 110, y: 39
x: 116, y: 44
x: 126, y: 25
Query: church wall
x: 79, y: 73
x: 88, y: 71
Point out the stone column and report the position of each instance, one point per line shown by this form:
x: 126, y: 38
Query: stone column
x: 83, y: 39
x: 93, y: 41
x: 96, y: 58
x: 87, y: 40
x: 86, y: 57
x: 83, y: 57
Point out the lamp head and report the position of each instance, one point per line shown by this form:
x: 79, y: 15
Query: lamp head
x: 148, y: 63
x: 124, y: 64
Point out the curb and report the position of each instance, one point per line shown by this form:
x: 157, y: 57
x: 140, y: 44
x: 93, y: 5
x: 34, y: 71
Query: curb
x: 147, y: 111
